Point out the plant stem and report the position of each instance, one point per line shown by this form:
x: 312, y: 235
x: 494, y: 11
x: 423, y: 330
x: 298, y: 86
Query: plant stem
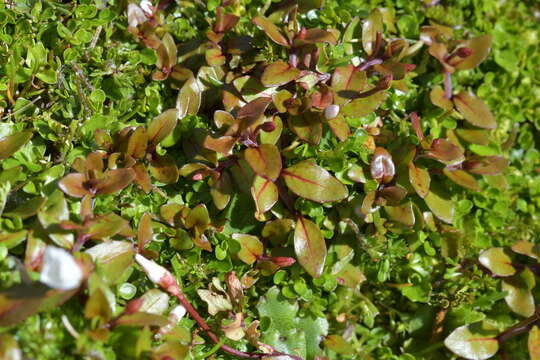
x: 447, y: 85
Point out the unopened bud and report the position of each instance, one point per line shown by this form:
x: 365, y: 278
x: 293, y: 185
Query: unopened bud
x: 331, y: 111
x: 177, y: 314
x: 134, y: 305
x: 409, y: 67
x: 283, y: 261
x: 464, y: 52
x: 156, y: 273
x: 60, y: 270
x: 197, y: 177
x: 268, y: 126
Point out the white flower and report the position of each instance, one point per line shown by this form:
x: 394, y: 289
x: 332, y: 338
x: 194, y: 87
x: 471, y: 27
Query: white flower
x: 331, y: 111
x: 136, y: 15
x: 146, y: 6
x: 177, y: 314
x: 60, y: 271
x: 154, y: 271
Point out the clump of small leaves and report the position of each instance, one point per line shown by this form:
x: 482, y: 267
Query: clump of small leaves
x: 266, y: 180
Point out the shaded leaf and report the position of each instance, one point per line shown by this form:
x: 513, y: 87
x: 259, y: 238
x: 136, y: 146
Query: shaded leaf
x: 480, y: 46
x: 419, y: 179
x: 307, y: 127
x: 10, y: 144
x: 162, y: 126
x: 222, y: 190
x: 371, y: 26
x: 309, y: 246
x: 163, y: 169
x: 462, y: 178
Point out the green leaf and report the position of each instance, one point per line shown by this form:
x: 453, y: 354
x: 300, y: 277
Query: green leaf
x: 10, y: 144
x: 419, y: 179
x: 265, y: 194
x: 279, y: 73
x: 309, y: 246
x: 442, y: 208
x: 474, y: 342
x: 162, y: 126
x: 462, y: 178
x: 364, y: 106
x: 189, y: 99
x: 533, y: 343
x: 371, y: 26
x: 497, y: 261
x: 310, y: 181
x: 250, y: 247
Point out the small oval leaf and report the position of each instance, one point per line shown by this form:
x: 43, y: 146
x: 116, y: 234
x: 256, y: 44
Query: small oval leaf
x: 474, y: 110
x: 265, y: 160
x: 309, y: 246
x: 10, y: 144
x: 476, y: 341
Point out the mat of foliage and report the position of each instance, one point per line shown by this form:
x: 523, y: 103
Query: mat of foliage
x: 269, y: 179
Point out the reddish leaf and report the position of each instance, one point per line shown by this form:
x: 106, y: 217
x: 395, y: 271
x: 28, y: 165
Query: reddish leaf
x: 488, y: 165
x: 115, y: 180
x: 279, y: 73
x: 138, y: 141
x: 265, y: 194
x: 474, y: 110
x: 310, y: 181
x: 312, y: 36
x: 271, y: 30
x: 382, y: 166
x: 221, y: 190
x: 438, y: 99
x: 309, y: 246
x: 144, y: 231
x: 224, y: 22
x: 223, y: 118
x: 265, y: 160
x: 445, y: 152
x: 252, y: 111
x: 142, y: 179
x: 163, y: 169
x: 73, y: 185
x: 189, y: 98
x: 371, y: 26
x: 10, y: 144
x: 214, y: 57
x: 392, y: 195
x: 223, y: 144
x: 307, y: 127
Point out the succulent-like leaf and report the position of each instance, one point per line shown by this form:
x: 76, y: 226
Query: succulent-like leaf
x: 527, y: 248
x: 144, y: 231
x: 279, y: 73
x: 309, y: 246
x: 403, y: 214
x: 419, y: 179
x: 438, y: 99
x: 222, y: 190
x: 476, y: 341
x: 310, y: 181
x: 462, y: 178
x: 365, y: 105
x: 497, y: 261
x: 307, y: 127
x: 474, y: 110
x: 442, y: 208
x: 382, y: 166
x: 115, y: 180
x: 164, y: 169
x: 533, y: 343
x: 488, y: 165
x: 250, y: 248
x: 189, y: 98
x: 520, y: 300
x: 10, y: 144
x: 73, y: 185
x: 445, y: 152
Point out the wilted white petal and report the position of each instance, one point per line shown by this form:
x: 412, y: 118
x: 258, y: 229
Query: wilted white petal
x: 177, y: 313
x: 135, y: 15
x: 60, y: 271
x: 154, y: 271
x: 146, y: 6
x: 331, y: 111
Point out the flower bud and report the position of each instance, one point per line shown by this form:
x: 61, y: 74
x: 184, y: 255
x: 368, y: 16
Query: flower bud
x: 331, y: 111
x: 156, y: 273
x: 134, y: 305
x: 268, y: 126
x: 60, y: 270
x: 283, y: 261
x: 177, y: 314
x: 464, y: 52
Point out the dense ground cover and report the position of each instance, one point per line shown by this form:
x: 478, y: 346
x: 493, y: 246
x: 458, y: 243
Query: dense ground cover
x: 338, y: 180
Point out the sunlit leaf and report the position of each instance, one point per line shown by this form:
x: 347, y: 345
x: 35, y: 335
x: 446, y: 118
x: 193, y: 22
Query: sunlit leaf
x: 309, y: 246
x: 480, y: 46
x: 534, y: 343
x: 497, y: 261
x: 364, y: 106
x: 250, y: 248
x: 162, y: 126
x: 189, y: 98
x: 382, y: 166
x: 271, y: 30
x: 265, y: 194
x: 114, y: 181
x: 442, y: 208
x: 265, y: 160
x: 476, y: 341
x: 474, y: 110
x: 10, y: 144
x: 279, y: 73
x: 462, y: 178
x: 446, y: 152
x: 438, y: 99
x: 419, y: 179
x: 371, y: 26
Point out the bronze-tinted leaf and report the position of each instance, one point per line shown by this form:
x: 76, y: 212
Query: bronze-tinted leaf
x: 474, y: 110
x: 279, y: 98
x: 250, y: 248
x: 271, y: 30
x: 445, y: 152
x: 142, y: 179
x: 480, y: 46
x: 403, y: 214
x: 114, y: 259
x: 371, y: 26
x: 115, y: 180
x: 73, y: 185
x: 277, y: 231
x: 144, y: 231
x: 312, y: 36
x: 223, y: 118
x: 364, y: 106
x: 223, y: 144
x: 141, y: 319
x: 488, y: 165
x: 382, y: 166
x: 137, y: 143
x: 106, y: 226
x: 163, y: 168
x: 265, y: 160
x: 438, y: 99
x: 214, y: 57
x: 224, y: 22
x: 272, y: 137
x: 162, y: 126
x: 307, y: 127
x: 198, y: 218
x: 519, y: 299
x: 310, y: 181
x: 442, y: 208
x: 496, y: 259
x: 252, y: 111
x: 309, y: 246
x: 474, y: 136
x: 348, y: 77
x: 170, y: 52
x: 462, y: 178
x: 265, y: 194
x: 339, y: 128
x: 10, y: 144
x: 419, y: 179
x: 279, y: 73
x: 189, y: 98
x: 392, y: 195
x: 527, y: 248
